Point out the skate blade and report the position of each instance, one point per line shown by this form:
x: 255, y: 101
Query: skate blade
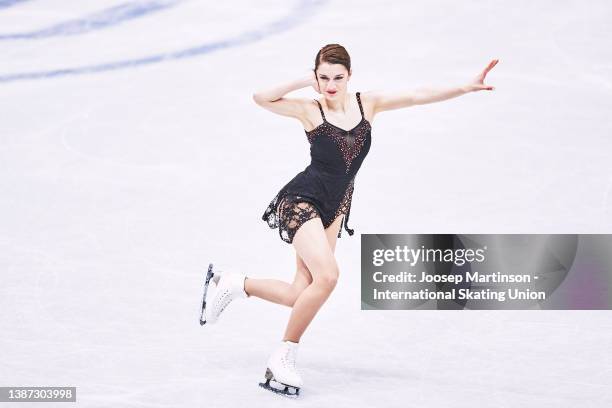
x: 288, y: 391
x: 209, y: 275
x: 284, y: 389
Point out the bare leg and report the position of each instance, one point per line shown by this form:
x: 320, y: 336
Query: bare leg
x: 278, y: 291
x: 316, y: 247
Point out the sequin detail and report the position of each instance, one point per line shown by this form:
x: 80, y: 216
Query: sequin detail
x: 350, y: 142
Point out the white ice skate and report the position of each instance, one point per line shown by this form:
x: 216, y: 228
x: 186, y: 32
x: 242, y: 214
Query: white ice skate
x: 228, y: 286
x: 281, y: 369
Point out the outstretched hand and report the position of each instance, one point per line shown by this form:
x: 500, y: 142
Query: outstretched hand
x: 478, y: 83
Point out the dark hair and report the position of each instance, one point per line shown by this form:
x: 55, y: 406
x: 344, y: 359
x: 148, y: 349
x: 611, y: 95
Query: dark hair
x: 333, y: 54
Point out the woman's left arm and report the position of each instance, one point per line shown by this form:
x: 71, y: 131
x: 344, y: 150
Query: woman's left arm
x: 421, y: 96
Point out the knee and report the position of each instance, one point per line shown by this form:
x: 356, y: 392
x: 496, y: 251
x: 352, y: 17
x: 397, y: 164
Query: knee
x: 329, y: 278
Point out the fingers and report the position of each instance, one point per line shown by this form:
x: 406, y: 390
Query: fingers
x: 487, y: 69
x: 491, y: 65
x: 483, y: 87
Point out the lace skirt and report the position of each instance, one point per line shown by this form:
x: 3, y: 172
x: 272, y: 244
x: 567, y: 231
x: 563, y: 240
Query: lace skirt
x: 289, y: 211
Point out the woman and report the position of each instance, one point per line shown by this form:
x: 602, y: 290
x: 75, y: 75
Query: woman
x: 310, y: 209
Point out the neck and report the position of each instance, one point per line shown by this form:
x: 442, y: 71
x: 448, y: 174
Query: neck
x: 338, y: 104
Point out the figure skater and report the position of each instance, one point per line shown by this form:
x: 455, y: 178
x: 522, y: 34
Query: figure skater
x: 309, y: 210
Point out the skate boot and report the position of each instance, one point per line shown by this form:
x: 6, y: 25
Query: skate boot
x: 228, y: 286
x: 281, y: 369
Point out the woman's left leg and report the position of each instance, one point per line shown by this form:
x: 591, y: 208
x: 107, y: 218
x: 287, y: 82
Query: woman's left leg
x: 317, y: 250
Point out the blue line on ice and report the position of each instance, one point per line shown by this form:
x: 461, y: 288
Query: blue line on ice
x: 9, y: 3
x: 102, y: 19
x: 302, y: 10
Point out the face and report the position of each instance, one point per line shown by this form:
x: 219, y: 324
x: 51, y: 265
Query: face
x: 333, y: 80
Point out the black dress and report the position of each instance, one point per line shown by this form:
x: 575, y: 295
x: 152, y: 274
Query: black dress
x: 325, y: 187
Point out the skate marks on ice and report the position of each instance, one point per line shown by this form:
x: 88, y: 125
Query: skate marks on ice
x: 301, y: 12
x: 79, y: 135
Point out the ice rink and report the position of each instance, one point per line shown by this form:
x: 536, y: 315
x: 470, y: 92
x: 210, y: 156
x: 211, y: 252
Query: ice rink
x: 132, y: 155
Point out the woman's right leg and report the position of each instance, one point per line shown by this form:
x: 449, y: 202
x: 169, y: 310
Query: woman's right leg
x: 278, y: 291
x: 291, y: 216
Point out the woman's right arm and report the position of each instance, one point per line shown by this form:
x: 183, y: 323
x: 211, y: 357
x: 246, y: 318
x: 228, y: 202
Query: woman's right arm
x: 274, y: 99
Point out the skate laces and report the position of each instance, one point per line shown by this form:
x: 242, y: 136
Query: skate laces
x: 223, y: 300
x: 228, y: 290
x: 289, y: 359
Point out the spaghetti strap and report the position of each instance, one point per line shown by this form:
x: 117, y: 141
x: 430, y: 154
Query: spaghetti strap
x: 360, y: 107
x: 321, y: 109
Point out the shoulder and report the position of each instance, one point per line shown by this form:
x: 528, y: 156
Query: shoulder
x: 369, y: 99
x: 312, y: 114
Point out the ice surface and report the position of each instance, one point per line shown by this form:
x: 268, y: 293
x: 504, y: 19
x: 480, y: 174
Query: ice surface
x: 132, y: 155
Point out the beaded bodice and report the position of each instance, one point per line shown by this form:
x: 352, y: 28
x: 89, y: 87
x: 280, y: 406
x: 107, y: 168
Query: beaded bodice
x: 337, y: 151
